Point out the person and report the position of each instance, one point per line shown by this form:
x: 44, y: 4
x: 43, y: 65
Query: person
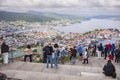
x: 109, y: 48
x: 70, y: 53
x: 105, y: 51
x: 80, y: 51
x: 100, y: 50
x: 117, y: 54
x: 94, y: 50
x: 85, y: 56
x: 74, y: 52
x: 28, y: 52
x: 3, y: 76
x: 44, y: 54
x: 63, y: 54
x: 90, y: 50
x: 4, y: 52
x: 56, y: 55
x: 109, y: 69
x: 113, y: 49
x: 49, y: 50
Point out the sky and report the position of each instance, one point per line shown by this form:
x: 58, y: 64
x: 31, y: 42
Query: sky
x: 78, y: 7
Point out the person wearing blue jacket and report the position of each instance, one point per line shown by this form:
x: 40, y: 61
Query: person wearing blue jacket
x: 63, y: 55
x: 113, y: 49
x: 80, y: 51
x: 56, y: 55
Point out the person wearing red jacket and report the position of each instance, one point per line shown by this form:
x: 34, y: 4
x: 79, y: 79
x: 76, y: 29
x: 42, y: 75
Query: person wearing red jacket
x: 109, y: 46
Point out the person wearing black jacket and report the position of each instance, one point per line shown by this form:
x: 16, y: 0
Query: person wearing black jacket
x: 48, y: 52
x: 109, y: 69
x: 4, y: 52
x: 3, y: 76
x: 44, y: 55
x: 105, y: 51
x: 74, y: 52
x: 117, y: 54
x: 100, y: 50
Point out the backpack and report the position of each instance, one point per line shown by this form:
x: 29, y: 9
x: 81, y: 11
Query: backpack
x: 47, y: 50
x: 58, y: 51
x: 63, y: 53
x: 74, y: 52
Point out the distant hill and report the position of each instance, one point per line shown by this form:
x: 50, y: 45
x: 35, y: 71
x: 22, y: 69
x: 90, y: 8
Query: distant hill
x: 33, y: 16
x: 12, y: 16
x: 105, y: 16
x: 58, y: 16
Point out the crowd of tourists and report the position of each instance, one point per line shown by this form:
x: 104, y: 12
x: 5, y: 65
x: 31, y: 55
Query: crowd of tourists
x: 111, y: 51
x: 54, y: 54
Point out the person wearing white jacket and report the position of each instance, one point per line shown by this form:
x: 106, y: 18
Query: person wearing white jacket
x: 85, y: 56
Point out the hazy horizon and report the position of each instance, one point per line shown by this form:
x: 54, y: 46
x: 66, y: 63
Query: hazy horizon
x: 75, y: 7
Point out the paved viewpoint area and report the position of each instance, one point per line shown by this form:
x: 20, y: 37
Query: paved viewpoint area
x: 79, y: 71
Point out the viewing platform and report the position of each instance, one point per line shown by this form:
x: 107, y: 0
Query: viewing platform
x: 38, y: 71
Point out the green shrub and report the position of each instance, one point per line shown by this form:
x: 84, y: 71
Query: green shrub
x: 35, y: 50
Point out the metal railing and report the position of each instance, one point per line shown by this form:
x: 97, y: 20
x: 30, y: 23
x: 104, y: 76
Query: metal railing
x: 15, y: 54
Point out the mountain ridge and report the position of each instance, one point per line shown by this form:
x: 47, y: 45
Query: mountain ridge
x: 34, y: 16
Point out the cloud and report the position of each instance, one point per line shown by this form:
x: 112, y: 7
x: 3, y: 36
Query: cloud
x: 61, y: 5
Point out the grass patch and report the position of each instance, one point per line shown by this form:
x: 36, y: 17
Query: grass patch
x: 38, y: 61
x: 67, y: 59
